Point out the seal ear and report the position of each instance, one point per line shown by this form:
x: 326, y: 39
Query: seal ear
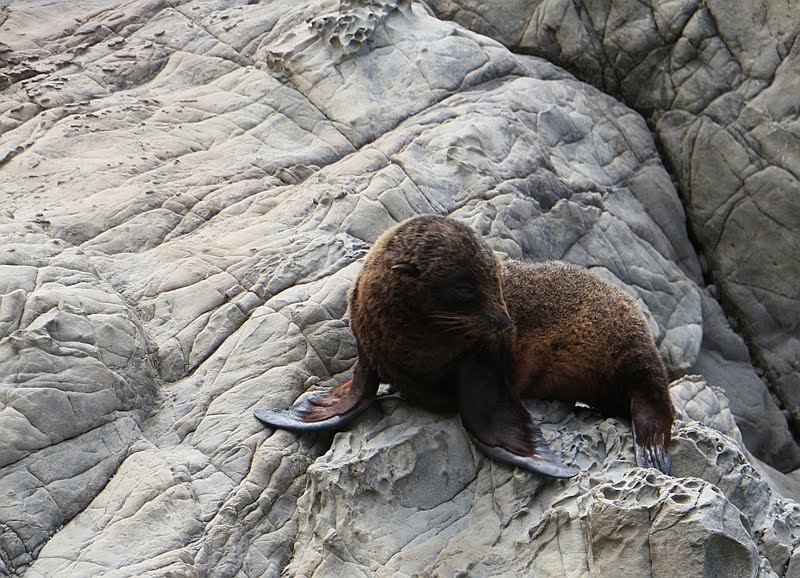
x: 406, y: 269
x: 498, y: 423
x: 329, y: 409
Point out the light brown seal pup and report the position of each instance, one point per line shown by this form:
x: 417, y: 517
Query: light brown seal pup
x: 436, y: 315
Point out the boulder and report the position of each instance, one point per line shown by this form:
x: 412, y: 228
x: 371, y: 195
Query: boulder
x: 717, y: 82
x: 186, y: 190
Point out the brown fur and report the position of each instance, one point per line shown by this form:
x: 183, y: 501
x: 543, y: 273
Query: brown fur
x: 436, y: 315
x: 573, y: 336
x: 579, y: 338
x: 401, y: 330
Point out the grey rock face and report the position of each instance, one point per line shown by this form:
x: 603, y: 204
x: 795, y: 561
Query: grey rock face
x: 717, y: 517
x: 75, y: 382
x: 718, y: 81
x: 185, y: 192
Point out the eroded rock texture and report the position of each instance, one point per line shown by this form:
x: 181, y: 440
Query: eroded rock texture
x: 186, y: 189
x: 718, y: 81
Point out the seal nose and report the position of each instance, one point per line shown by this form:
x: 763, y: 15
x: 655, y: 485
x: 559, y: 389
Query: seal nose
x: 501, y: 321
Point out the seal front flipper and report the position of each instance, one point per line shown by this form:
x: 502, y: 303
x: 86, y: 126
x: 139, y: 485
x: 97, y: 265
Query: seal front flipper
x: 541, y: 460
x: 499, y: 425
x: 329, y: 409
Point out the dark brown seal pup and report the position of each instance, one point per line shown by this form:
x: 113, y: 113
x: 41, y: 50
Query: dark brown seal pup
x: 436, y: 315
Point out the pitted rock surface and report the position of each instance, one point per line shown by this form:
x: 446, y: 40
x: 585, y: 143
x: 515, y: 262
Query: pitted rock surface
x: 186, y: 190
x: 716, y: 517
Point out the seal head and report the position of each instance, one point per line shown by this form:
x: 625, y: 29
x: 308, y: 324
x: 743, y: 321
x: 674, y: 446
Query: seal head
x: 430, y: 292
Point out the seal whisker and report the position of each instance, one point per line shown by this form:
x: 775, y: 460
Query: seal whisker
x: 447, y: 319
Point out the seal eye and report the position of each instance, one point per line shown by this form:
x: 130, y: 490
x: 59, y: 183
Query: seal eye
x: 462, y: 294
x: 406, y: 269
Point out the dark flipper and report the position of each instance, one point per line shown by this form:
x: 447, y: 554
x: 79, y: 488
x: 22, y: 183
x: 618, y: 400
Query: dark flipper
x: 542, y: 460
x: 651, y: 422
x: 498, y: 423
x: 652, y: 455
x: 329, y: 409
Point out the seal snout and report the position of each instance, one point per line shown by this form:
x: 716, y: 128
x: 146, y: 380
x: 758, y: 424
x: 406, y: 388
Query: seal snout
x: 500, y: 320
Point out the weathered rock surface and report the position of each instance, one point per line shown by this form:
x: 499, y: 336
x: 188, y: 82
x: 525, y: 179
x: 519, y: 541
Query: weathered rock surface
x: 185, y: 191
x: 719, y: 82
x: 427, y: 504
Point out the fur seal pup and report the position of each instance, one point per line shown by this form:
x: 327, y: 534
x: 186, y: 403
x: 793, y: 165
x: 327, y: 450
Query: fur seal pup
x: 436, y: 315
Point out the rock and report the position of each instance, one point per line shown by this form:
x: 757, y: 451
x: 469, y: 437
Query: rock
x: 413, y: 488
x: 693, y: 529
x: 186, y: 192
x: 76, y: 381
x: 713, y: 80
x: 725, y: 362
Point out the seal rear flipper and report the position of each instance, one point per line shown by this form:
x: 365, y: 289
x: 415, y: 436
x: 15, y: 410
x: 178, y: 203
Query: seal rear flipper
x: 652, y: 455
x: 500, y: 426
x: 651, y: 423
x: 329, y: 409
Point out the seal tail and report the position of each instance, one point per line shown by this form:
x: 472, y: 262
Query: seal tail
x: 498, y: 423
x: 330, y: 409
